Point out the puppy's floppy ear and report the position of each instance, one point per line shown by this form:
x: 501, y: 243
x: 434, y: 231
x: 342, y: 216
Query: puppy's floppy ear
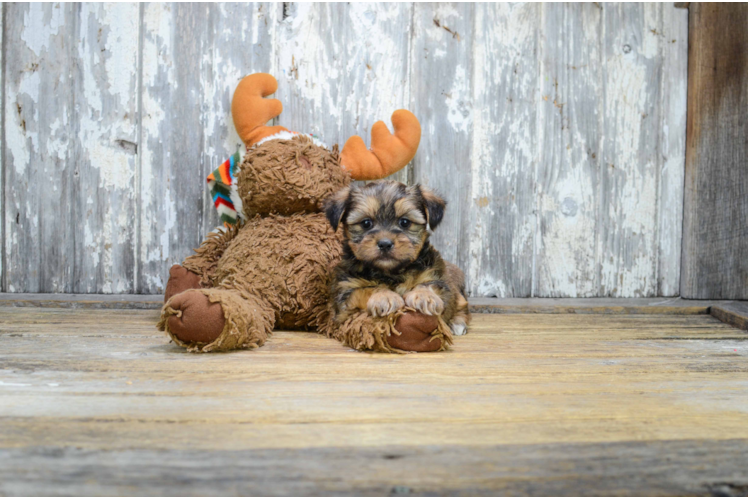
x: 335, y: 206
x: 435, y: 206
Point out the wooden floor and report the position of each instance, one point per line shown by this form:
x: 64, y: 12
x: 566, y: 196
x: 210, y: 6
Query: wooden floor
x: 98, y: 402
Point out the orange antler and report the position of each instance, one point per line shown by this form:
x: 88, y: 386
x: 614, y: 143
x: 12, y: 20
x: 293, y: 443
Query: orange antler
x: 251, y: 112
x: 389, y: 153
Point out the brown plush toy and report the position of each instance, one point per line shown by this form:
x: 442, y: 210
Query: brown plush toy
x: 271, y: 266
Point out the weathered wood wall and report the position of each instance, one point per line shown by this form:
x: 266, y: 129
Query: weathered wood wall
x: 556, y: 132
x: 715, y: 229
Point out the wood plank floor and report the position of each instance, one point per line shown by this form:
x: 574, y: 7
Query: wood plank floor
x: 98, y: 402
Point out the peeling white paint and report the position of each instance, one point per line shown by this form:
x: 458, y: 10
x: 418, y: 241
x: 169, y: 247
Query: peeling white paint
x: 673, y: 147
x: 122, y: 48
x: 459, y: 103
x: 155, y: 195
x: 37, y: 16
x: 16, y: 137
x: 58, y: 143
x: 628, y: 263
x: 108, y: 54
x: 92, y: 244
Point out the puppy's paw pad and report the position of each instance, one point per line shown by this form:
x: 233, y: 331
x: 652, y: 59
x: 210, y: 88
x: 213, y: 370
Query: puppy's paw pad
x: 383, y: 304
x: 424, y: 300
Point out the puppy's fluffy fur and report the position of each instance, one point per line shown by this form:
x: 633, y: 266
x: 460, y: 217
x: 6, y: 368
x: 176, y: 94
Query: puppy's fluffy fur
x: 388, y: 262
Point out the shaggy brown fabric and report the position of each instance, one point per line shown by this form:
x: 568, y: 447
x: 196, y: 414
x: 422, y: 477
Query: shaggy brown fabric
x: 203, y: 263
x: 180, y: 279
x: 286, y: 261
x: 289, y: 176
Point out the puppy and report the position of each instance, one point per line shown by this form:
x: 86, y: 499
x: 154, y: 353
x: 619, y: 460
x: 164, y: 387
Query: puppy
x: 388, y: 262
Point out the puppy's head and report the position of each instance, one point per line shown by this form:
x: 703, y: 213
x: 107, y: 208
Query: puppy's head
x: 385, y: 223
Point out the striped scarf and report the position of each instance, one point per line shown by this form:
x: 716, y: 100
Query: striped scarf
x: 222, y: 185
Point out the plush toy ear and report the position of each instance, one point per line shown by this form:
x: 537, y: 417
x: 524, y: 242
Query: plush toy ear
x: 435, y: 206
x: 335, y: 207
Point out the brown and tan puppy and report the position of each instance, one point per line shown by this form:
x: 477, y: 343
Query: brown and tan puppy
x: 388, y: 263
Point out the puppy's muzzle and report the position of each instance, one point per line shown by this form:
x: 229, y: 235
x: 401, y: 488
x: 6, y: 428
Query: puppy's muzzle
x: 385, y: 245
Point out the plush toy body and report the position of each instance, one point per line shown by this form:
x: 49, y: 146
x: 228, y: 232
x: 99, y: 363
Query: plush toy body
x: 271, y: 266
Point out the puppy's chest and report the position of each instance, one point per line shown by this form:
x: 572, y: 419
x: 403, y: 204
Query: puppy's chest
x: 400, y: 282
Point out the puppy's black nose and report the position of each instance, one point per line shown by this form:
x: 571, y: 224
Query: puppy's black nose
x: 385, y: 245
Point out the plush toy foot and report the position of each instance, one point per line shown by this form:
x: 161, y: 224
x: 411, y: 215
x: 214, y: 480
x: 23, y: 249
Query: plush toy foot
x: 415, y: 333
x: 180, y: 279
x: 197, y: 319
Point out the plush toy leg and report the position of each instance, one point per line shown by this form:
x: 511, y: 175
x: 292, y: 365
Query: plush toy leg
x: 404, y: 331
x: 418, y: 333
x: 180, y: 279
x: 213, y: 319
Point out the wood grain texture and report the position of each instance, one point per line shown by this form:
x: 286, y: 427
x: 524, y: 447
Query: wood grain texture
x: 105, y: 137
x: 442, y: 99
x: 630, y: 161
x: 343, y: 67
x: 3, y: 264
x: 672, y: 147
x: 547, y: 403
x: 732, y: 313
x: 569, y: 131
x: 40, y: 156
x: 715, y: 254
x: 660, y: 468
x: 556, y: 132
x: 170, y: 139
x: 501, y: 206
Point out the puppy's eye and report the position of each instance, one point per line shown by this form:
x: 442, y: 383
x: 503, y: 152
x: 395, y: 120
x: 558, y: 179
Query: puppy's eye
x: 404, y: 223
x: 366, y: 223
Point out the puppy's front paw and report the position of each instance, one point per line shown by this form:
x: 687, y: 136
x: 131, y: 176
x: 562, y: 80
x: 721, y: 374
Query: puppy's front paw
x: 424, y: 300
x: 384, y: 303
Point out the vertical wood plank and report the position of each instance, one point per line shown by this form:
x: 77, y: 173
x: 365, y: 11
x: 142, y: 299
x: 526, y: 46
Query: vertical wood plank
x: 715, y: 253
x: 442, y: 98
x: 628, y: 218
x: 106, y: 111
x: 568, y: 145
x: 674, y: 49
x: 40, y: 153
x: 2, y: 148
x: 194, y: 55
x: 503, y: 151
x: 343, y: 67
x: 171, y: 184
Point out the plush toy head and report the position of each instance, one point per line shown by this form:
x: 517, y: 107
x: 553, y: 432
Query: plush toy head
x: 287, y: 176
x: 287, y: 172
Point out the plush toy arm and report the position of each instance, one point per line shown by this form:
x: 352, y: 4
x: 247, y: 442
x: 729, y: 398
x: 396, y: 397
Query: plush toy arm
x: 205, y: 259
x: 389, y: 152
